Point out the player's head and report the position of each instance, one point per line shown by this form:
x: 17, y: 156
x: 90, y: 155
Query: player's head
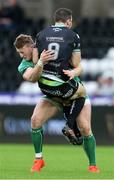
x: 63, y: 15
x: 24, y: 46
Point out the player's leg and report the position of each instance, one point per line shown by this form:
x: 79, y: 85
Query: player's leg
x: 71, y: 130
x: 80, y: 92
x: 89, y: 142
x: 71, y: 112
x: 42, y: 112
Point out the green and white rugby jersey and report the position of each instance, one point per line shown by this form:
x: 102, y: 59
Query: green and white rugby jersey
x: 24, y: 65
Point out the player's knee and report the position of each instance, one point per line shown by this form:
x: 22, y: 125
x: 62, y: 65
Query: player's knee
x: 85, y: 130
x: 36, y: 121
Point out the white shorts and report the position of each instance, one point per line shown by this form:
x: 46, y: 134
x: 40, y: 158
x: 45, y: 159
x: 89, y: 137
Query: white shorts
x: 87, y: 101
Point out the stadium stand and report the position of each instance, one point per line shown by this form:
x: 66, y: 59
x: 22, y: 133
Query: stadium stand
x: 96, y: 39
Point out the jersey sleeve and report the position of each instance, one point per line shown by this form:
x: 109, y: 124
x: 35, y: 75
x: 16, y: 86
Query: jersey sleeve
x: 24, y: 65
x: 76, y: 47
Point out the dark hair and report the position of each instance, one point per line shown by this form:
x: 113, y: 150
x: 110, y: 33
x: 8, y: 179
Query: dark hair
x: 62, y: 14
x: 21, y: 40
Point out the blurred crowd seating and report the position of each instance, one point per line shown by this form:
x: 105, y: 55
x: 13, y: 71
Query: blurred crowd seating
x: 96, y: 36
x: 96, y: 39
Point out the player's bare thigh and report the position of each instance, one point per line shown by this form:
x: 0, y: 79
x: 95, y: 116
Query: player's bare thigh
x: 84, y: 120
x: 43, y: 111
x: 81, y: 92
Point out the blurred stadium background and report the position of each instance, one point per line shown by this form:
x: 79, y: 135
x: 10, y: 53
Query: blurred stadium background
x: 94, y: 21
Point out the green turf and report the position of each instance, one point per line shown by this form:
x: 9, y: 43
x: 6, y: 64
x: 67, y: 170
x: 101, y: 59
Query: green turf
x: 62, y: 162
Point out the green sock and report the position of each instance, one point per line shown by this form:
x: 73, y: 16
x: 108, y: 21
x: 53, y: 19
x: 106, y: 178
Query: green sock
x: 89, y: 145
x: 37, y: 139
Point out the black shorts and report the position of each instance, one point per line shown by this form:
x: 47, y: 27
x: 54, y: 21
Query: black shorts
x: 64, y: 91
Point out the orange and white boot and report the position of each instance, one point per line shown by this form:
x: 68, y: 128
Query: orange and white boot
x: 38, y: 164
x: 93, y: 169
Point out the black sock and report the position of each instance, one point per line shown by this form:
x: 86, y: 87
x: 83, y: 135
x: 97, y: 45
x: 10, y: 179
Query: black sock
x: 71, y: 112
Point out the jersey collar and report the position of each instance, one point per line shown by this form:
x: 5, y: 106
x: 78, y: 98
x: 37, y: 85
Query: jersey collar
x: 59, y: 25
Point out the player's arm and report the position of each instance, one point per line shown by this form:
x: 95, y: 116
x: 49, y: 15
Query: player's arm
x: 33, y: 74
x: 76, y: 71
x: 35, y: 55
x: 75, y: 62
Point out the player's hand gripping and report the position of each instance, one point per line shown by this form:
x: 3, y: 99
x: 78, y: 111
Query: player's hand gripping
x: 46, y: 56
x: 70, y: 73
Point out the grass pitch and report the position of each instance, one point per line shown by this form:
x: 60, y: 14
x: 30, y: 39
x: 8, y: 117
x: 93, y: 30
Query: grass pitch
x: 62, y: 162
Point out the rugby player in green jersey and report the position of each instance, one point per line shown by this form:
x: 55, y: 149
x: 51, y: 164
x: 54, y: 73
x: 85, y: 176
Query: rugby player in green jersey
x: 33, y: 72
x: 51, y: 105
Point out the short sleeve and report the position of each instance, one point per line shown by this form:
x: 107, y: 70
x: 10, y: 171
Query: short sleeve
x: 24, y: 65
x: 21, y: 69
x: 76, y: 43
